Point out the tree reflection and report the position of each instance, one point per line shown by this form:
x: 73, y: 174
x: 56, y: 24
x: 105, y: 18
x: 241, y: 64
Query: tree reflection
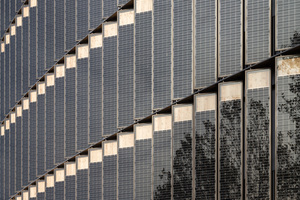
x: 294, y: 40
x: 288, y: 174
x: 205, y: 161
x: 230, y: 149
x: 206, y: 158
x: 258, y: 165
x: 182, y: 165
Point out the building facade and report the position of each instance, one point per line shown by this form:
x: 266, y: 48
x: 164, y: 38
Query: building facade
x: 149, y: 99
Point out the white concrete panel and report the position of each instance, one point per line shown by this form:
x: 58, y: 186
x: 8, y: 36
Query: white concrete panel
x: 7, y: 124
x: 144, y: 6
x: 258, y: 78
x: 32, y: 191
x: 183, y: 112
x: 231, y: 91
x: 41, y: 88
x: 110, y: 29
x: 70, y: 61
x: 25, y: 11
x: 49, y: 181
x: 95, y: 40
x: 41, y: 186
x: 19, y: 21
x: 19, y: 111
x: 59, y: 71
x: 82, y: 162
x: 25, y: 195
x: 162, y: 122
x: 25, y: 104
x: 33, y: 3
x: 13, y: 118
x: 95, y: 155
x: 206, y: 102
x: 70, y: 169
x: 110, y: 148
x: 126, y: 140
x: 143, y: 131
x: 2, y: 47
x: 13, y: 30
x: 7, y: 38
x: 288, y: 66
x: 59, y: 175
x: 126, y: 17
x: 33, y: 96
x: 50, y: 80
x: 82, y: 51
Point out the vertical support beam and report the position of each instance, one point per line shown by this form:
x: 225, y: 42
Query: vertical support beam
x: 25, y: 49
x: 143, y: 58
x: 12, y: 72
x: 49, y: 112
x: 59, y: 187
x: 182, y: 147
x: 142, y: 160
x: 32, y: 192
x: 230, y: 140
x: 32, y: 135
x: 206, y: 147
x: 70, y: 104
x: 49, y: 186
x: 109, y: 170
x: 32, y: 48
x: 162, y: 156
x: 109, y: 75
x: 70, y: 177
x: 125, y: 67
x: 82, y: 97
x: 59, y: 113
x: 41, y: 189
x: 125, y: 165
x: 258, y: 171
x: 95, y: 87
x: 286, y: 127
x: 19, y: 138
x: 19, y: 22
x: 12, y: 161
x: 25, y: 140
x: 82, y: 183
x: 95, y: 173
x: 41, y: 117
x: 7, y: 159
